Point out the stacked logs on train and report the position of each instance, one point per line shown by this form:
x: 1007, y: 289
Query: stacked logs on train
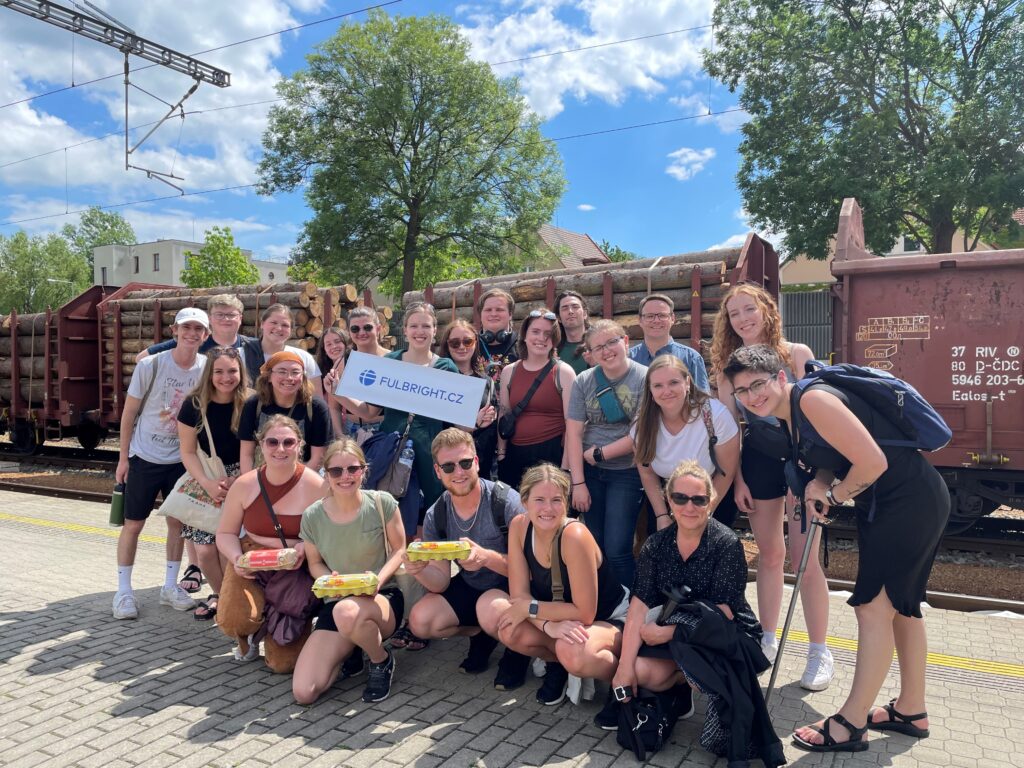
x: 140, y: 314
x: 629, y: 283
x: 31, y: 358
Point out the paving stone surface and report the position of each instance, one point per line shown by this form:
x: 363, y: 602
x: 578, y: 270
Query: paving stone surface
x: 80, y: 689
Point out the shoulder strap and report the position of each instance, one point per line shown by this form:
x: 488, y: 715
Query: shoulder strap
x: 149, y: 389
x: 499, y: 505
x: 375, y: 495
x: 270, y: 509
x: 441, y: 516
x: 607, y: 398
x: 709, y: 424
x: 519, y: 407
x: 209, y: 436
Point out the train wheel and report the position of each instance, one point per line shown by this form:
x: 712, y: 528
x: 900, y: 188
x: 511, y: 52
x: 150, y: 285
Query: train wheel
x: 91, y: 434
x: 23, y: 438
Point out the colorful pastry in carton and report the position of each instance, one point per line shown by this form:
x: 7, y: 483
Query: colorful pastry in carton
x: 438, y: 550
x: 345, y: 584
x: 269, y: 559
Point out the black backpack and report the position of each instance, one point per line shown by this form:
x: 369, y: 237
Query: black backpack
x: 499, y: 503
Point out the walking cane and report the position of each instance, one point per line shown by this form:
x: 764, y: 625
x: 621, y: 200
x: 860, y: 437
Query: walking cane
x: 792, y: 603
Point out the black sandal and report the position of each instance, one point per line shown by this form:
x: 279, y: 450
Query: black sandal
x: 194, y: 576
x: 209, y: 610
x: 856, y: 742
x: 899, y: 722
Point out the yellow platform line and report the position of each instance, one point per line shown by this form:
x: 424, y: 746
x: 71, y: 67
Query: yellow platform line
x: 110, y: 533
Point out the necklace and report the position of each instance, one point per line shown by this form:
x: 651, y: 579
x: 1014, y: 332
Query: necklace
x: 458, y: 520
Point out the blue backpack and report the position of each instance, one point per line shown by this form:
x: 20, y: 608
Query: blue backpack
x: 896, y: 400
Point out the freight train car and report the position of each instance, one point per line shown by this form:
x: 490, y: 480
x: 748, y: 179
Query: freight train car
x: 953, y: 326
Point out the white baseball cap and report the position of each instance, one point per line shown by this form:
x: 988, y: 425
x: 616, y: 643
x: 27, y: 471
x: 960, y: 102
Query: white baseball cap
x: 194, y: 315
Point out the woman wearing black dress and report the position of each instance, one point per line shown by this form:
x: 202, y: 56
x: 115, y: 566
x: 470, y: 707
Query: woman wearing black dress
x: 902, y: 506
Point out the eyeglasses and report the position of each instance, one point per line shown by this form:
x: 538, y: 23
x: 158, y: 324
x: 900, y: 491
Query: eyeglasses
x: 755, y: 389
x: 459, y: 343
x: 287, y: 443
x: 681, y: 500
x: 225, y: 315
x: 336, y: 473
x: 361, y: 328
x: 288, y: 373
x: 600, y: 348
x: 656, y: 316
x: 449, y: 466
x: 544, y: 313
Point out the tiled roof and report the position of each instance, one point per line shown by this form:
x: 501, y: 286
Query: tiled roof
x: 572, y: 248
x: 1018, y: 216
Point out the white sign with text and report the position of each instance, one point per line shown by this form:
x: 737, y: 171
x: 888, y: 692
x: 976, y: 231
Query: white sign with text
x: 449, y: 397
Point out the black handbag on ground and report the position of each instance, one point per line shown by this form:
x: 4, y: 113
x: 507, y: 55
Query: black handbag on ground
x: 646, y: 722
x: 507, y: 423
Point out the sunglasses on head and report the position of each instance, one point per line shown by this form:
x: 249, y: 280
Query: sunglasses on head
x: 544, y: 313
x: 231, y: 352
x: 681, y: 499
x: 361, y: 328
x: 288, y: 442
x: 449, y: 466
x: 459, y: 343
x: 339, y: 472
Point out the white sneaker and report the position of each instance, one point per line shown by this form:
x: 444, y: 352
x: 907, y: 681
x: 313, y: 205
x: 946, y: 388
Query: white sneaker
x: 125, y: 606
x: 819, y: 671
x: 770, y: 646
x: 177, y: 598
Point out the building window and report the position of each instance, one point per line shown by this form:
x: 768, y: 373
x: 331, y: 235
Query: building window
x: 103, y: 275
x: 135, y: 264
x: 910, y: 245
x: 156, y: 262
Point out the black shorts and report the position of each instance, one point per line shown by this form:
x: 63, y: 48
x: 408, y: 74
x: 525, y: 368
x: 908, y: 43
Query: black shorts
x: 145, y: 481
x: 462, y: 598
x: 394, y: 596
x: 764, y: 475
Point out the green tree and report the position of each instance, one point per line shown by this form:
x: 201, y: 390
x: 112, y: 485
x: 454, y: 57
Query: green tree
x: 413, y: 155
x: 97, y: 227
x: 39, y: 272
x: 914, y: 107
x: 219, y: 262
x: 617, y: 254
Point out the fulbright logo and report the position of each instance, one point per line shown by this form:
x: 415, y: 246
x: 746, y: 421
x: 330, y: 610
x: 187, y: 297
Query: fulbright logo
x: 368, y: 378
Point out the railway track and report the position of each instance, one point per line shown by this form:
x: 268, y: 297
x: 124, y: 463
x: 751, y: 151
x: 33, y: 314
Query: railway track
x: 61, y: 456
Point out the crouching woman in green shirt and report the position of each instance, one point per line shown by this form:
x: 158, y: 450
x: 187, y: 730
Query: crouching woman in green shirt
x: 351, y: 531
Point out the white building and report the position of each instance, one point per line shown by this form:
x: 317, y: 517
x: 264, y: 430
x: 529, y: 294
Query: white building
x: 161, y: 262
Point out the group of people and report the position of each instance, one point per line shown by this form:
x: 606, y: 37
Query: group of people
x: 582, y: 447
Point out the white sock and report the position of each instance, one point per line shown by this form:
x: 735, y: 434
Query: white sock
x: 124, y: 578
x: 171, y: 577
x: 820, y: 647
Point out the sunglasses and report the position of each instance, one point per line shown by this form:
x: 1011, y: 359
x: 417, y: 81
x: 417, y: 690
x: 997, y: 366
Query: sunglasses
x: 681, y: 500
x: 449, y: 466
x: 337, y: 473
x: 361, y: 328
x: 544, y: 313
x: 231, y: 352
x: 287, y: 443
x: 459, y: 343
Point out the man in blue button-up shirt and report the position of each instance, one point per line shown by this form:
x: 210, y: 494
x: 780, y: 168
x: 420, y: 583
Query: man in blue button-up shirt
x: 657, y: 314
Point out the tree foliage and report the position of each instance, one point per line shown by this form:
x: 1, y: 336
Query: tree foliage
x: 97, y: 227
x: 40, y: 272
x: 914, y: 107
x: 416, y: 157
x: 617, y: 254
x: 219, y: 262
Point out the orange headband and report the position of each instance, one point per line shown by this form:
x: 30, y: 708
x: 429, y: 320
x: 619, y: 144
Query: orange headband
x: 284, y: 356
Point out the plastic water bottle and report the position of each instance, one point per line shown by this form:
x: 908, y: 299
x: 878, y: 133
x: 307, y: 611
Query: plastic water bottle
x: 408, y: 454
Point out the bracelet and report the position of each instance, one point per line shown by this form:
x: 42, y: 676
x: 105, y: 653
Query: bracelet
x: 582, y: 482
x: 544, y: 625
x: 664, y: 514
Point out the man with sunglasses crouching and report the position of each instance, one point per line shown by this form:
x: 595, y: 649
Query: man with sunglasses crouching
x: 478, y: 512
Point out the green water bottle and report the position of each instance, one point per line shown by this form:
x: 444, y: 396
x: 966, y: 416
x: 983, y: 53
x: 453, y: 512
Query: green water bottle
x: 117, y: 505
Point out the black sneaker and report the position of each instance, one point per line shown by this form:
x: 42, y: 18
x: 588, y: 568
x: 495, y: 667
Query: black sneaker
x: 480, y: 647
x: 353, y: 665
x: 552, y: 690
x: 511, y: 671
x: 378, y: 687
x: 608, y: 718
x: 684, y: 701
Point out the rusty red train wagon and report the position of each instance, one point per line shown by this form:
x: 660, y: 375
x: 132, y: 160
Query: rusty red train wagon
x: 953, y: 326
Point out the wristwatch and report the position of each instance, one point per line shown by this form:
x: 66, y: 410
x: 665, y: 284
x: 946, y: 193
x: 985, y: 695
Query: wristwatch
x: 598, y: 453
x: 831, y: 499
x: 534, y: 608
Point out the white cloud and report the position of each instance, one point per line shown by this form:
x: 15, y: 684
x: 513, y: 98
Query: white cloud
x: 687, y: 163
x: 734, y: 241
x: 585, y: 207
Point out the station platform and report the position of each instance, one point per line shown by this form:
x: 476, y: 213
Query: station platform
x: 78, y: 688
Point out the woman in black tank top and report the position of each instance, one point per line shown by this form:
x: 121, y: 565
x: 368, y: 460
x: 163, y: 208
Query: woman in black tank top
x: 577, y: 631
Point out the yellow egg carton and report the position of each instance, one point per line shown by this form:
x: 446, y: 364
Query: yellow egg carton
x: 438, y: 550
x: 345, y: 584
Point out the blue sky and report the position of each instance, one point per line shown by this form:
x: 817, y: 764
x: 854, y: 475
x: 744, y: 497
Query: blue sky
x: 654, y: 190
